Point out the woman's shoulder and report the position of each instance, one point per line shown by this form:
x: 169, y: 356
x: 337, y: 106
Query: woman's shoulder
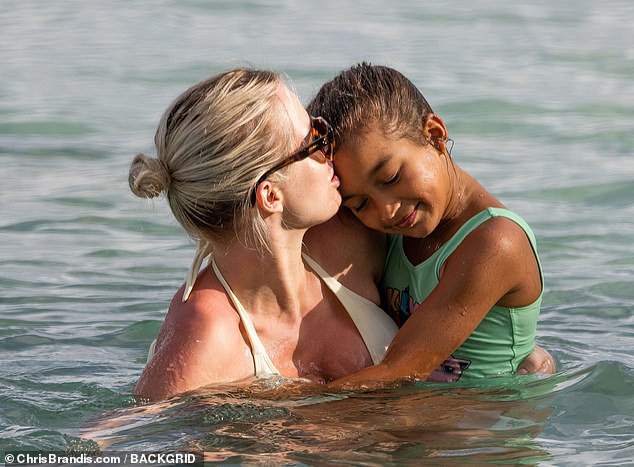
x: 200, y: 343
x: 207, y: 309
x: 348, y: 251
x: 343, y: 237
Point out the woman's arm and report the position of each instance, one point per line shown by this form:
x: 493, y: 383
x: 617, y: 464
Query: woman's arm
x: 538, y: 361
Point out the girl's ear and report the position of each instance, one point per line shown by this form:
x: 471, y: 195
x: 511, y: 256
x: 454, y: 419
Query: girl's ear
x: 269, y: 198
x: 435, y: 131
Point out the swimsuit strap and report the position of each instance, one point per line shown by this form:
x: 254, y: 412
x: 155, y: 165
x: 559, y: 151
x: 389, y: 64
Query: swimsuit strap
x: 375, y: 327
x: 470, y: 225
x: 203, y: 250
x: 263, y: 365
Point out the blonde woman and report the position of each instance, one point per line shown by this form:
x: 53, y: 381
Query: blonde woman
x: 247, y: 172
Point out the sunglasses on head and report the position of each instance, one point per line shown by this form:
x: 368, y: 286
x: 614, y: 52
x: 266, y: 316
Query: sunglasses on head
x: 322, y: 139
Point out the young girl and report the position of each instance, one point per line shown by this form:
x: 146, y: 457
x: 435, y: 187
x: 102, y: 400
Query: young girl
x: 462, y: 276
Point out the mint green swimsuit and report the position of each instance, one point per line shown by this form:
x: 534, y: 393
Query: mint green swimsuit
x: 504, y: 337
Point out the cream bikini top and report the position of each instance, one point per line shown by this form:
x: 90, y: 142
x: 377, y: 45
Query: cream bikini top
x: 375, y: 327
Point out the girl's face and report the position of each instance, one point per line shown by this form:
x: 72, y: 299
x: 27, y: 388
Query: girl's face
x: 393, y: 184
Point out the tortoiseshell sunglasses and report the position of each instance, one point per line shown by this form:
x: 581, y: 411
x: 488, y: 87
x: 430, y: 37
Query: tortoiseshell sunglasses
x: 323, y: 139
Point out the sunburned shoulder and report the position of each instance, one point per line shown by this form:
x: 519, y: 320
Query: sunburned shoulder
x: 198, y: 345
x: 206, y: 318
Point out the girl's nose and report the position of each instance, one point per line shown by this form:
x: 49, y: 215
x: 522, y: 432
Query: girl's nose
x: 387, y: 209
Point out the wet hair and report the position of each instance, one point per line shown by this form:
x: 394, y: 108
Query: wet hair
x: 366, y: 95
x: 212, y: 144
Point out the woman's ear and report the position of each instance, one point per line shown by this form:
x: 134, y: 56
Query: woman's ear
x: 269, y: 197
x: 435, y: 131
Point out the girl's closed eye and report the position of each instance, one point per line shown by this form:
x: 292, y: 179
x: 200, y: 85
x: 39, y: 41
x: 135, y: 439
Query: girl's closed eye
x: 358, y: 207
x: 393, y: 179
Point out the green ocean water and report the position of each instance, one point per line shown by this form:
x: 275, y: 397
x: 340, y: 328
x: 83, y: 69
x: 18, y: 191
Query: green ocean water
x: 539, y: 99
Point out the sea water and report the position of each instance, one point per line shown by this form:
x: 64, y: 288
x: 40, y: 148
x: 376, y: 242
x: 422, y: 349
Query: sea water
x: 539, y: 98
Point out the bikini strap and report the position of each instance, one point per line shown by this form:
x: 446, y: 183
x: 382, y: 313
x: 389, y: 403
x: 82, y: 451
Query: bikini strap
x: 203, y: 250
x: 263, y: 365
x: 374, y: 325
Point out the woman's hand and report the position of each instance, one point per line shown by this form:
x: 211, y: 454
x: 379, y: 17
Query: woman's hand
x: 539, y: 361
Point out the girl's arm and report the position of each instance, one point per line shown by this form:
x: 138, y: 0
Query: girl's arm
x: 494, y: 264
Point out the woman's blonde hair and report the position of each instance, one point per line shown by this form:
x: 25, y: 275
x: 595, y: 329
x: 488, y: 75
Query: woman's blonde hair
x: 213, y: 143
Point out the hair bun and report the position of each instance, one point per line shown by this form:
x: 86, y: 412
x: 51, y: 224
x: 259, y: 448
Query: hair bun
x: 148, y: 176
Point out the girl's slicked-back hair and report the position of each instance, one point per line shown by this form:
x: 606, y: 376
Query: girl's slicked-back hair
x: 366, y: 95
